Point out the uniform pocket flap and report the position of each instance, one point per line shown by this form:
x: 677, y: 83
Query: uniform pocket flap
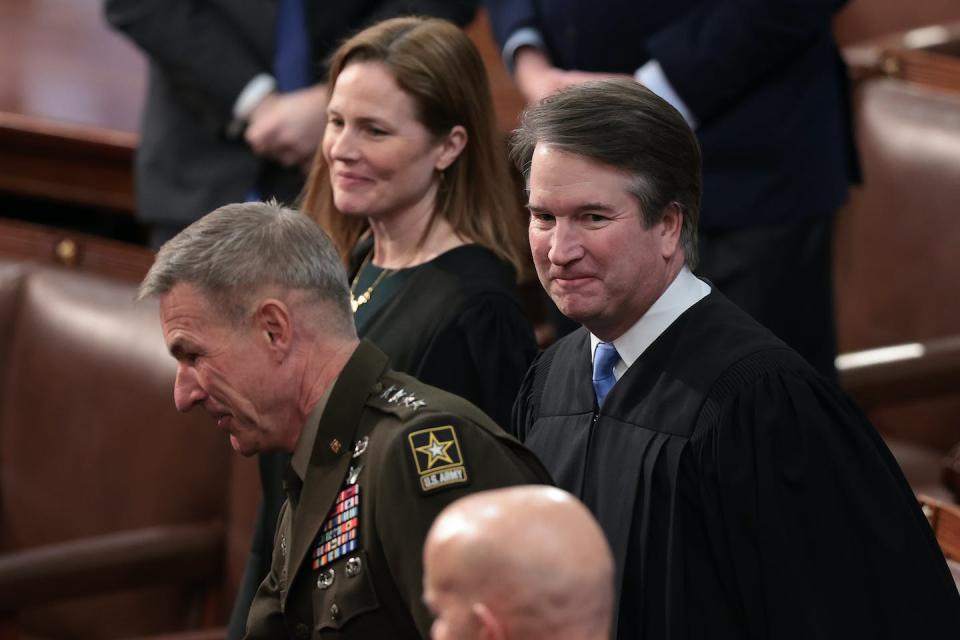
x: 344, y: 591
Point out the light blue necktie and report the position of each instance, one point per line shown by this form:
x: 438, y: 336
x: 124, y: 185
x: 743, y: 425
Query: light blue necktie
x: 604, y: 359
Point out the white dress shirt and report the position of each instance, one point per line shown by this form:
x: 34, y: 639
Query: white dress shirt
x: 684, y: 292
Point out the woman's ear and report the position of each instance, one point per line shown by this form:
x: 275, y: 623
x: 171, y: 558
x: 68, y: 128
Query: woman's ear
x: 451, y: 147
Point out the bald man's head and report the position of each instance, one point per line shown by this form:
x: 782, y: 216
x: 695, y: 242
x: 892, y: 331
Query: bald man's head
x: 524, y: 562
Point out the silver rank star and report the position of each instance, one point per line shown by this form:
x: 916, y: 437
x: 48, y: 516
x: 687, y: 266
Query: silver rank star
x: 388, y: 392
x: 398, y: 396
x: 412, y: 403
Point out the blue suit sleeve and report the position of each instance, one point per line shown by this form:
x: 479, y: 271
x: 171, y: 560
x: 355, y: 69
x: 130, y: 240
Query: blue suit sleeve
x: 720, y: 50
x: 460, y: 12
x: 509, y: 16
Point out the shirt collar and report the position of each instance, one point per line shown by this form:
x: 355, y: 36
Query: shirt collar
x: 308, y: 436
x: 684, y: 292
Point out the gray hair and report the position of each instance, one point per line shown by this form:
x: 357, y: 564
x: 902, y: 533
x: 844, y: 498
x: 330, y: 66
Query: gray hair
x: 623, y: 124
x: 232, y: 253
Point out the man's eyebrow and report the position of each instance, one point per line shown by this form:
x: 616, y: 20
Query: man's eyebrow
x: 589, y: 206
x: 177, y: 350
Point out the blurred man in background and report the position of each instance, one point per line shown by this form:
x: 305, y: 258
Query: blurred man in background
x: 236, y: 101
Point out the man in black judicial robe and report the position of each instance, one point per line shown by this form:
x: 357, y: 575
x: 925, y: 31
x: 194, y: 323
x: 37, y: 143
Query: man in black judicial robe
x: 743, y: 495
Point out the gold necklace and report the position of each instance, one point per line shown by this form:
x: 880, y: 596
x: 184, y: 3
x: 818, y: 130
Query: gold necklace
x: 364, y: 298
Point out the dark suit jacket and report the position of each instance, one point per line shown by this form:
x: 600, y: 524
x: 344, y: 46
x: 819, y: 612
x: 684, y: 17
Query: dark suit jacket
x: 762, y: 77
x: 202, y: 53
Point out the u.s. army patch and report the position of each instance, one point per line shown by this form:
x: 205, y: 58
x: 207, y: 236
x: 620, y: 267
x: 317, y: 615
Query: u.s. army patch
x: 437, y: 457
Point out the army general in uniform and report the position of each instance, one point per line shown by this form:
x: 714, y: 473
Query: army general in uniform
x: 254, y: 306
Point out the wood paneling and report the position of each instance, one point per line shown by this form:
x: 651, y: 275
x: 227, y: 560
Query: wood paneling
x: 59, y: 61
x: 70, y: 98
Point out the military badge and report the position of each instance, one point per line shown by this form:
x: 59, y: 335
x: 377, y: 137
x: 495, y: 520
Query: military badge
x: 339, y: 534
x: 354, y: 473
x: 438, y: 458
x: 361, y: 446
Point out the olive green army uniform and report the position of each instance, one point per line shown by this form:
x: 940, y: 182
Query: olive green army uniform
x: 390, y: 453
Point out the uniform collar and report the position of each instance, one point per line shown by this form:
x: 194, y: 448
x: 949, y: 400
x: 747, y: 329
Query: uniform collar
x: 308, y: 436
x: 329, y: 463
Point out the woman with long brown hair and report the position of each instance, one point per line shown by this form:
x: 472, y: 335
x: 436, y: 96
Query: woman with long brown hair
x: 411, y: 183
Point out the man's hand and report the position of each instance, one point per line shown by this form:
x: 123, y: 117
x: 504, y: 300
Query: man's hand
x: 287, y: 127
x: 537, y: 78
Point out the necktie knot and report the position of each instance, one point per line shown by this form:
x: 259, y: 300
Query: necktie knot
x: 604, y: 359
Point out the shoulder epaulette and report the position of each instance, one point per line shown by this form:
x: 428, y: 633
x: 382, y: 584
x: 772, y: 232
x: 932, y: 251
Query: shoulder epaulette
x: 397, y: 400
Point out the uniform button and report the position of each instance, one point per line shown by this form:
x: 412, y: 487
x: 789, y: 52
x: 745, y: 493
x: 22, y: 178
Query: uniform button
x: 334, y: 612
x: 301, y: 631
x: 353, y: 567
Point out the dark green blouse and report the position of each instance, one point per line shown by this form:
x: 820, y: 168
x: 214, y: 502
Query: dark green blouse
x: 382, y: 292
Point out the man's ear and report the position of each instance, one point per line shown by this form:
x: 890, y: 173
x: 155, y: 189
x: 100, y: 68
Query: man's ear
x: 273, y: 323
x: 490, y: 627
x: 451, y: 147
x: 671, y: 226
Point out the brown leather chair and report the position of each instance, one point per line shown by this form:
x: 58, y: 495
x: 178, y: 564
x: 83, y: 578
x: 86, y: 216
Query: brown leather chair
x: 902, y: 376
x: 896, y: 264
x: 119, y: 517
x: 866, y: 19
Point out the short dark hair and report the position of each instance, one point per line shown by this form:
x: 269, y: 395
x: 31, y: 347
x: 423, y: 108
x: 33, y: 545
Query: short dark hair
x: 625, y: 125
x: 230, y: 254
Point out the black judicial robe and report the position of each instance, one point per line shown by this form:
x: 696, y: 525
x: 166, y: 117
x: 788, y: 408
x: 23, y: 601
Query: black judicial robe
x: 743, y: 495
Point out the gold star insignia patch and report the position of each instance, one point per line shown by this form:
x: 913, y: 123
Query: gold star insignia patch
x: 437, y: 457
x: 436, y: 451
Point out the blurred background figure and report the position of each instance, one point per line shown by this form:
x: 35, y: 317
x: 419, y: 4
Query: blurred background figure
x: 765, y: 89
x: 518, y: 563
x: 412, y: 184
x: 235, y: 103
